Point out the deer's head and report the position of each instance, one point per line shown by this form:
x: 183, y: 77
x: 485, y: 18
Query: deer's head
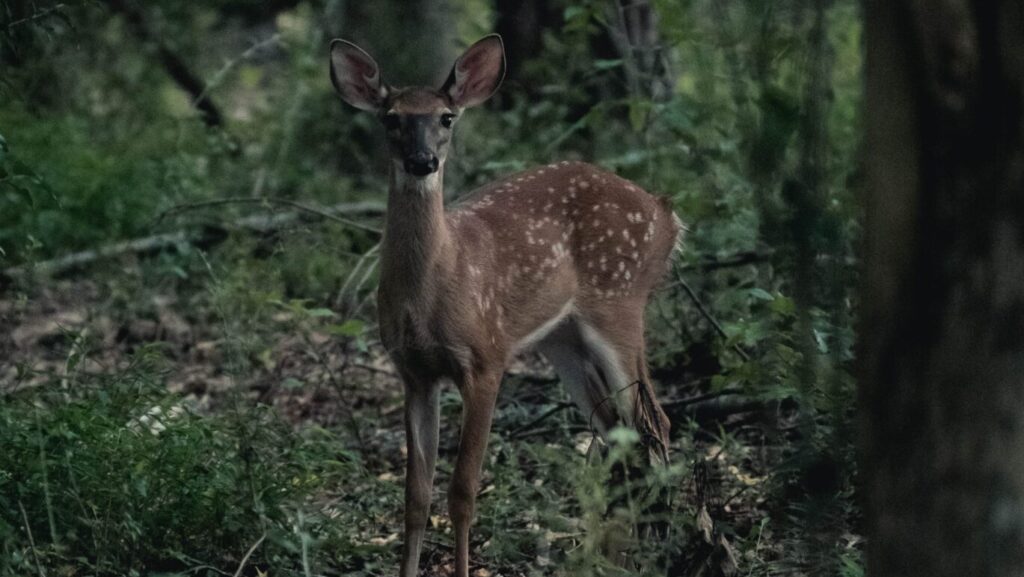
x: 418, y: 120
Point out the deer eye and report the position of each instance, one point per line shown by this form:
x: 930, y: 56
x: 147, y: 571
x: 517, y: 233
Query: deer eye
x: 447, y: 119
x: 392, y: 121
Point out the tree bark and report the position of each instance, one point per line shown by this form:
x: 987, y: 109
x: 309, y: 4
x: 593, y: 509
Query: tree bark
x: 521, y: 24
x: 412, y: 40
x: 172, y: 62
x: 644, y: 57
x: 942, y: 383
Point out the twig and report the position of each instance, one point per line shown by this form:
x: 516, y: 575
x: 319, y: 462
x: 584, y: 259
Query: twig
x: 241, y: 565
x: 698, y: 398
x: 754, y: 257
x: 31, y: 540
x: 198, y: 568
x: 734, y: 495
x: 37, y: 16
x: 544, y: 416
x: 707, y: 315
x: 738, y: 259
x: 352, y: 275
x: 608, y: 397
x: 369, y: 294
x: 373, y: 369
x: 219, y: 76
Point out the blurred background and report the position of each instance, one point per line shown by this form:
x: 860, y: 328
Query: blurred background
x: 191, y: 380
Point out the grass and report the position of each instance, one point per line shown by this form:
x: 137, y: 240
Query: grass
x: 267, y: 437
x: 117, y: 477
x: 287, y: 446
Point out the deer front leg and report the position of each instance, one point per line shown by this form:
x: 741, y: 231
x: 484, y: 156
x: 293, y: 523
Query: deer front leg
x: 478, y: 398
x: 422, y: 419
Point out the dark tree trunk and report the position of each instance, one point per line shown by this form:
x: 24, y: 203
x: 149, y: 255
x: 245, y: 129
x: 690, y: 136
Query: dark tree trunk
x: 942, y: 386
x: 518, y: 23
x: 521, y: 24
x: 171, y: 61
x: 645, y: 59
x: 412, y: 40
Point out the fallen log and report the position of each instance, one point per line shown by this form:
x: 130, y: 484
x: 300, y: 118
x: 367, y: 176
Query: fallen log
x: 203, y: 236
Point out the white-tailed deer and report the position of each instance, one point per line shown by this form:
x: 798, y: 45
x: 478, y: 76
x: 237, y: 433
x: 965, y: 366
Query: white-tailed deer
x: 561, y: 257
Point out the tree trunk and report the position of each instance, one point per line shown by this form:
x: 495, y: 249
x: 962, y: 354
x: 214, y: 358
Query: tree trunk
x: 518, y: 23
x: 173, y: 63
x: 942, y: 390
x: 645, y: 59
x: 412, y: 40
x: 521, y: 24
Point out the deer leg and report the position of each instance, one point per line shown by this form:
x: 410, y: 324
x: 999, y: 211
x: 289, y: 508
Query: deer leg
x: 576, y: 366
x: 422, y: 420
x: 478, y: 398
x: 615, y: 338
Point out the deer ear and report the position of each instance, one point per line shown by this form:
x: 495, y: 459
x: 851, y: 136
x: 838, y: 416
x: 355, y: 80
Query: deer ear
x: 478, y: 73
x: 356, y: 76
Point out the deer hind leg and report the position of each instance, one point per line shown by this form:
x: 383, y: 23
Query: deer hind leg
x: 606, y: 375
x: 602, y: 365
x: 587, y: 376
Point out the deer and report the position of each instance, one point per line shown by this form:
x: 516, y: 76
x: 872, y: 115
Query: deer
x: 561, y: 259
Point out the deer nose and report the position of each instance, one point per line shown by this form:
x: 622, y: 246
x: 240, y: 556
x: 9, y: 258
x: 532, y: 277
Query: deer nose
x: 421, y: 163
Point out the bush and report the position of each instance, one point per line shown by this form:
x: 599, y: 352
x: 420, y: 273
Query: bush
x: 117, y: 476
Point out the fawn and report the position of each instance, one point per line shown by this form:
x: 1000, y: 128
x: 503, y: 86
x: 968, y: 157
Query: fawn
x: 562, y: 258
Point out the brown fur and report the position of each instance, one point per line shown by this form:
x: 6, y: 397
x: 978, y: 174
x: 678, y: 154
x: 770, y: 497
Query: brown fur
x: 460, y: 290
x: 563, y: 257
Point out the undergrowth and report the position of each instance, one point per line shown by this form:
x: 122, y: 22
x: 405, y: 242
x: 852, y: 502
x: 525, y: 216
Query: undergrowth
x: 112, y: 475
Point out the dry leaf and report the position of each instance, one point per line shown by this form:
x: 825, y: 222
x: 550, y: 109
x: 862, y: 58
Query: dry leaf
x: 705, y: 525
x: 384, y: 540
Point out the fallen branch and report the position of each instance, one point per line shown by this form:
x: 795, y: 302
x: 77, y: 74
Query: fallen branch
x: 203, y: 236
x: 329, y: 214
x: 680, y: 403
x: 738, y: 259
x: 77, y: 259
x: 717, y: 408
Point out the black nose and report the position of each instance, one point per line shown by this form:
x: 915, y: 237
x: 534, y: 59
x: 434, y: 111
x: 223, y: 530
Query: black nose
x: 421, y: 164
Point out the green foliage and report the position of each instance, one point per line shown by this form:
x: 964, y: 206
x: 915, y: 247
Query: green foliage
x: 100, y: 191
x: 118, y: 477
x: 97, y: 141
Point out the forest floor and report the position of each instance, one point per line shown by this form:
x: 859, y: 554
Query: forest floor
x: 313, y: 379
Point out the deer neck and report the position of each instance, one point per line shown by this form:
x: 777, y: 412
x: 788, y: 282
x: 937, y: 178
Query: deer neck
x: 417, y: 249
